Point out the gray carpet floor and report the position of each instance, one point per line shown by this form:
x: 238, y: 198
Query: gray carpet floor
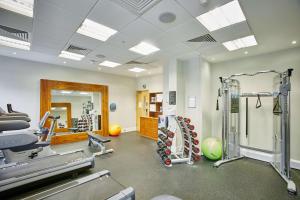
x: 135, y: 163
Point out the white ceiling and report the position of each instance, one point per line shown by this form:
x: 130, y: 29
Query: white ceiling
x: 275, y: 23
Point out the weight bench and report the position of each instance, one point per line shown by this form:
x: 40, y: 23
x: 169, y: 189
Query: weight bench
x: 98, y: 141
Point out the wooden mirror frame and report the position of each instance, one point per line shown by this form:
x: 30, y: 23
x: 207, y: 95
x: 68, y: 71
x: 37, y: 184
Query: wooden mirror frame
x: 69, y: 115
x: 45, y: 98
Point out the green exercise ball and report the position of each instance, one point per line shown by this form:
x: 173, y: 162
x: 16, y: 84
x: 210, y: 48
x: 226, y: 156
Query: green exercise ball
x: 212, y: 148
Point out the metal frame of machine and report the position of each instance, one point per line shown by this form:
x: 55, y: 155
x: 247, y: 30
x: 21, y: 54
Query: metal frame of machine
x: 230, y: 92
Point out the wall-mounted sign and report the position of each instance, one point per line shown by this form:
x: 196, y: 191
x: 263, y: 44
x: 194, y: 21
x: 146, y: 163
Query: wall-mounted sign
x: 172, y: 97
x: 192, y: 102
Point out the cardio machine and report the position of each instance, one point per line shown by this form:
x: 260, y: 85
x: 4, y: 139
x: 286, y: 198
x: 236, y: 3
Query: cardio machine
x: 14, y: 173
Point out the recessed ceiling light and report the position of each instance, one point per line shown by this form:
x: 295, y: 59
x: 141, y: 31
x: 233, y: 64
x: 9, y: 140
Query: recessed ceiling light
x: 65, y: 62
x: 294, y: 42
x: 6, y: 41
x: 84, y: 93
x: 14, y: 53
x: 220, y: 17
x: 107, y: 63
x: 144, y: 48
x: 53, y: 108
x: 72, y: 56
x: 23, y: 7
x: 136, y: 69
x: 66, y: 92
x: 95, y: 30
x: 64, y: 108
x: 240, y: 43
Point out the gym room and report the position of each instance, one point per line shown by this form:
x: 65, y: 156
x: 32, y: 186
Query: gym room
x: 150, y: 99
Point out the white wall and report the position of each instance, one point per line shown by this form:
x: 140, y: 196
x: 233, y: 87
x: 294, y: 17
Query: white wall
x: 260, y: 127
x: 20, y: 86
x: 153, y: 83
x: 190, y: 78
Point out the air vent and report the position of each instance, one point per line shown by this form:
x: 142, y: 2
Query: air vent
x: 14, y: 33
x: 203, y: 38
x: 78, y: 50
x: 138, y: 7
x: 135, y: 63
x: 100, y: 56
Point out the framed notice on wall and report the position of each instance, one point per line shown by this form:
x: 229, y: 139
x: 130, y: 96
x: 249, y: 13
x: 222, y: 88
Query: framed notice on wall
x: 172, y: 98
x: 192, y: 102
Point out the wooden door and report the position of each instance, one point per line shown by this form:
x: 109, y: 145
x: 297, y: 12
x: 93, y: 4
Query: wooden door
x: 142, y: 106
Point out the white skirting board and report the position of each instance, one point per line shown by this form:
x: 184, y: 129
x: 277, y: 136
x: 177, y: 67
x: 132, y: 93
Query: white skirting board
x: 129, y: 129
x: 267, y: 157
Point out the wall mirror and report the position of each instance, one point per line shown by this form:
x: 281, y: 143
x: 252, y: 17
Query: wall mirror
x: 81, y: 107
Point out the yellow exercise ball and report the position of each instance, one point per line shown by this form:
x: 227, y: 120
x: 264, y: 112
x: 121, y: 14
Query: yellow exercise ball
x: 115, y: 130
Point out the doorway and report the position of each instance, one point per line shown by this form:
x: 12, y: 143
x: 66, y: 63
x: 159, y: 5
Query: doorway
x: 142, y: 106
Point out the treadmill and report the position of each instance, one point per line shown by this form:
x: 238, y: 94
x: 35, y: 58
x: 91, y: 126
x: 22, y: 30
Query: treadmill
x: 15, y: 174
x: 97, y: 186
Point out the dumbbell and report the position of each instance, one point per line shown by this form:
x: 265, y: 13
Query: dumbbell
x: 194, y: 141
x: 191, y: 127
x: 195, y: 149
x: 187, y: 120
x: 169, y: 134
x: 179, y: 118
x: 166, y: 160
x: 165, y: 150
x: 165, y: 140
x: 195, y: 157
x: 164, y: 157
x: 193, y: 134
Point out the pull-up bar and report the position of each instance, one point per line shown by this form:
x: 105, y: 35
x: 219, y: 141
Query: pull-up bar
x: 256, y: 94
x: 247, y: 74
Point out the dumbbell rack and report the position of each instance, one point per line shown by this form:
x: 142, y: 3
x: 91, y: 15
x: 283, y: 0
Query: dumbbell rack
x: 189, y: 139
x: 187, y: 154
x: 165, y: 141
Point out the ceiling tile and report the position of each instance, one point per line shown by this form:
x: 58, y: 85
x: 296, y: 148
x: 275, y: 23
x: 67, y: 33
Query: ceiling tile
x: 55, y: 22
x: 14, y: 20
x: 114, y: 53
x: 83, y: 41
x: 166, y: 6
x: 110, y: 14
x: 140, y: 30
x: 196, y: 8
x: 232, y: 32
x: 181, y: 33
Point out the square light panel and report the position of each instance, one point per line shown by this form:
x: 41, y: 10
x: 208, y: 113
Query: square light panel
x: 95, y: 30
x: 72, y: 56
x: 136, y: 69
x: 220, y: 17
x: 240, y: 43
x: 23, y: 7
x: 6, y: 41
x: 144, y: 48
x: 107, y: 63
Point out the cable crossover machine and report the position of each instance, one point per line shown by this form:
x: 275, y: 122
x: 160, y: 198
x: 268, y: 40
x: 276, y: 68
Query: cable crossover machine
x: 230, y: 93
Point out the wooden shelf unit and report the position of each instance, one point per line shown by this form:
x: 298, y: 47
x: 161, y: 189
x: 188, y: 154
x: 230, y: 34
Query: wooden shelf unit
x: 156, y: 104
